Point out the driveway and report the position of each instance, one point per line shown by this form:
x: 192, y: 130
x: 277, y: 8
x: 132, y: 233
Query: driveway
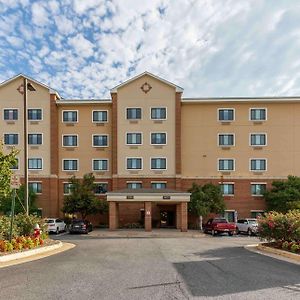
x: 114, y: 267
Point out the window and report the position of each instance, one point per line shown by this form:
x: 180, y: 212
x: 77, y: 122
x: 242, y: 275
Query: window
x: 99, y: 116
x: 226, y: 139
x: 134, y: 138
x: 257, y: 213
x: 70, y: 140
x: 35, y: 139
x: 258, y: 164
x: 158, y: 138
x: 258, y: 139
x: 67, y: 188
x: 70, y: 164
x: 100, y: 188
x: 10, y: 114
x: 134, y: 163
x: 158, y: 113
x: 257, y: 189
x: 159, y: 185
x: 226, y: 165
x: 34, y: 114
x: 158, y: 163
x: 134, y: 185
x: 100, y: 140
x: 35, y: 163
x: 35, y: 187
x: 100, y: 164
x: 226, y: 114
x: 11, y: 139
x: 70, y: 116
x: 16, y: 165
x: 134, y: 113
x: 227, y: 189
x: 258, y: 114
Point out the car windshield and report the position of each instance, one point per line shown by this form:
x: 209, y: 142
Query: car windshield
x: 252, y: 222
x: 49, y: 221
x: 220, y: 220
x: 77, y: 221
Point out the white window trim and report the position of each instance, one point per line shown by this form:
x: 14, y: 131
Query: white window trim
x: 257, y: 158
x: 251, y: 183
x: 36, y: 158
x: 136, y: 182
x: 65, y: 182
x: 129, y: 132
x: 129, y: 107
x: 99, y: 122
x: 160, y: 157
x: 100, y: 159
x: 10, y: 108
x: 258, y: 108
x: 226, y: 182
x: 266, y: 139
x: 100, y: 135
x: 142, y: 163
x: 100, y: 182
x: 158, y: 119
x: 70, y: 170
x: 226, y: 133
x: 69, y: 110
x: 159, y: 182
x: 62, y: 140
x: 35, y: 133
x: 158, y: 132
x: 226, y: 159
x: 35, y: 181
x: 42, y: 119
x: 11, y: 133
x: 226, y: 121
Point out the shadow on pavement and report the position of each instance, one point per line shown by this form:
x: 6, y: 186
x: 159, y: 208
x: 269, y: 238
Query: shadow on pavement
x: 233, y: 270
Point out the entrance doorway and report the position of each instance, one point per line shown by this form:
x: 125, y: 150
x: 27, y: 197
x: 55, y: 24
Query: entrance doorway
x: 167, y: 219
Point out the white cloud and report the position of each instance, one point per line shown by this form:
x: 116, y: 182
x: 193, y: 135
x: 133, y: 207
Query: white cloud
x: 39, y: 14
x: 81, y: 45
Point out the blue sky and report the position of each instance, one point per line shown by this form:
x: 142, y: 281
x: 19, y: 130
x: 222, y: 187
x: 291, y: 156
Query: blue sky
x: 215, y: 48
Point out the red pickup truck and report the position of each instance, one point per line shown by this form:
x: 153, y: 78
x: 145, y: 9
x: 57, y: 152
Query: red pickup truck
x: 219, y: 225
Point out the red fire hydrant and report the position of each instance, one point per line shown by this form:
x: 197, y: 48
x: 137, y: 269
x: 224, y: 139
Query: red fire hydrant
x: 37, y: 231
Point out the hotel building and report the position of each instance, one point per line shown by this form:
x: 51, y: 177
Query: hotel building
x: 147, y: 144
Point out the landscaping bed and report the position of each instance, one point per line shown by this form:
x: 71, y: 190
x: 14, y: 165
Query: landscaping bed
x: 289, y: 247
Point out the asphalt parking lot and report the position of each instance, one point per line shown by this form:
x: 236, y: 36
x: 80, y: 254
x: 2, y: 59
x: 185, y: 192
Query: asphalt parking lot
x: 116, y: 267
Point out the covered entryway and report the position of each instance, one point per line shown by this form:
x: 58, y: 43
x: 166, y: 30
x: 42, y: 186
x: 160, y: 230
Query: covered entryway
x: 161, y: 208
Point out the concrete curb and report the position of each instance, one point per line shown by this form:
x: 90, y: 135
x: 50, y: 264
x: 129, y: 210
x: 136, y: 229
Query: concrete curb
x: 27, y: 253
x: 286, y: 254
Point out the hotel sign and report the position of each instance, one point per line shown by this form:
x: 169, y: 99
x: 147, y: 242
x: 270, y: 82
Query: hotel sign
x: 130, y: 197
x: 166, y: 197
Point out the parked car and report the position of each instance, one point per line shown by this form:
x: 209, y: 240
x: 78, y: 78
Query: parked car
x: 55, y: 225
x: 219, y: 225
x: 81, y: 226
x: 248, y: 226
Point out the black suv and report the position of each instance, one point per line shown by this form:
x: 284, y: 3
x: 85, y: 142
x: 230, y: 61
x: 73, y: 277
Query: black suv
x: 81, y: 226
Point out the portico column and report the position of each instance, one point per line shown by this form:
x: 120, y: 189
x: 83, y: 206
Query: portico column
x: 148, y: 216
x: 178, y: 216
x: 183, y: 212
x: 113, y: 215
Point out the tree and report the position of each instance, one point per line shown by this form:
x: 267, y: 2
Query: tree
x: 206, y: 199
x: 82, y: 197
x: 284, y: 195
x: 7, y: 161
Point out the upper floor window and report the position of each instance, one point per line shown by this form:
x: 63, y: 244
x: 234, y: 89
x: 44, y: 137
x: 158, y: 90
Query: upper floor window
x: 158, y: 163
x: 99, y: 116
x: 10, y: 114
x: 11, y: 139
x: 35, y: 139
x: 100, y: 164
x: 258, y: 139
x: 70, y: 140
x: 100, y: 140
x: 134, y: 113
x: 226, y: 139
x: 134, y: 163
x: 70, y: 164
x: 35, y: 114
x: 35, y: 187
x: 70, y: 116
x: 158, y: 185
x: 134, y: 138
x: 100, y: 188
x: 257, y: 189
x: 226, y: 164
x: 134, y: 185
x: 16, y: 165
x: 258, y: 164
x: 158, y: 138
x: 258, y: 114
x: 35, y: 164
x: 227, y: 189
x: 158, y: 113
x: 226, y: 114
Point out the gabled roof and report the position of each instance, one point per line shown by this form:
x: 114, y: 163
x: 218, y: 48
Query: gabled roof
x: 178, y: 88
x: 51, y: 91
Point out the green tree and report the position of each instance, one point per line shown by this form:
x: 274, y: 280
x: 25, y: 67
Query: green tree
x: 7, y: 161
x: 82, y: 197
x: 206, y: 199
x: 284, y: 195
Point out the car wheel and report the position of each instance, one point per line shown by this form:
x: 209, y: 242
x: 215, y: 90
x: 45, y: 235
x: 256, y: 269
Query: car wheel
x: 249, y: 232
x: 230, y: 233
x: 213, y: 233
x: 65, y: 229
x: 237, y: 231
x: 57, y: 230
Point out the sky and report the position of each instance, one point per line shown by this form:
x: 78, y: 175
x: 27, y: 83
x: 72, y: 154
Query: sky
x: 211, y: 48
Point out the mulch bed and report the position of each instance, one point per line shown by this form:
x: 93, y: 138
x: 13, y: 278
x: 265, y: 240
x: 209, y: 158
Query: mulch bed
x: 277, y: 246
